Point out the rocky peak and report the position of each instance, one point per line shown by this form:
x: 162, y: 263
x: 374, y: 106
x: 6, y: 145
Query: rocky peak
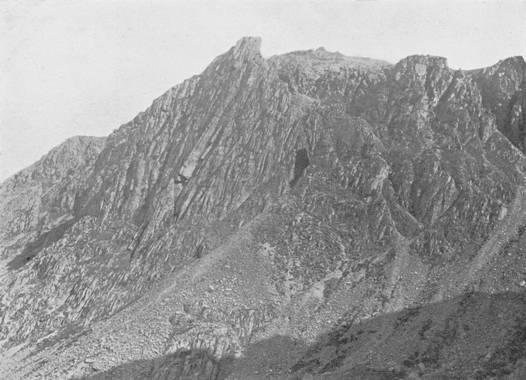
x: 506, y: 76
x: 320, y: 74
x: 247, y: 47
x: 318, y: 61
x: 262, y: 196
x: 517, y: 63
x: 425, y: 60
x: 503, y: 89
x: 422, y: 69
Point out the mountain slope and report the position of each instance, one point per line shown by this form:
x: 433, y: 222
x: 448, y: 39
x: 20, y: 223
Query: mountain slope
x: 266, y: 198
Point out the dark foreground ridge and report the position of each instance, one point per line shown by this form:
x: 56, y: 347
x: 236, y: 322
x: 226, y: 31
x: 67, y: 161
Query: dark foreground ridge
x: 476, y: 336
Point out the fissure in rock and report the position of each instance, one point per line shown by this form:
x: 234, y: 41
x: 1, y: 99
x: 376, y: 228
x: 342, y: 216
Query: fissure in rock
x: 300, y: 164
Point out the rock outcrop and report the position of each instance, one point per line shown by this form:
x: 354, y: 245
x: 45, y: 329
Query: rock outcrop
x: 266, y: 198
x: 38, y: 202
x: 503, y: 88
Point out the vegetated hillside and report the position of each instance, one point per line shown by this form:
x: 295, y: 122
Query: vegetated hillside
x: 255, y: 217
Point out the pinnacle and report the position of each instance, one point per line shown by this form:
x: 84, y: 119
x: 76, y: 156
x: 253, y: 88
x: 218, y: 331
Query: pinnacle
x: 247, y: 46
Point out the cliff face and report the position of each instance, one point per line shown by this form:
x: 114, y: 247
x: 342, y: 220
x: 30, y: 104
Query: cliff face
x: 262, y: 198
x: 503, y: 88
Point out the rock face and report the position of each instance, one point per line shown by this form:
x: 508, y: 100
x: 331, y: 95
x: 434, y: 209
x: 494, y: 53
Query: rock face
x: 258, y: 216
x: 503, y: 88
x: 38, y: 202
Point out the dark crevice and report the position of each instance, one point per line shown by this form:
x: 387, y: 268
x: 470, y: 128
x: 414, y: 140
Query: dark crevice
x: 300, y: 164
x: 200, y: 251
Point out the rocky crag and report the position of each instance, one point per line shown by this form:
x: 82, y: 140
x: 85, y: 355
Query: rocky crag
x: 305, y: 216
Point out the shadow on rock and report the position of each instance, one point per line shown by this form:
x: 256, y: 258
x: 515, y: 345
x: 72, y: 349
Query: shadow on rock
x: 189, y: 364
x: 476, y: 335
x: 265, y: 359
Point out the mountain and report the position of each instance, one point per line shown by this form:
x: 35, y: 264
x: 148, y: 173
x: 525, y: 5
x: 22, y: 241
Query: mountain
x: 305, y: 216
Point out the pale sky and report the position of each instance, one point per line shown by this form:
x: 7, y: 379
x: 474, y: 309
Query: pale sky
x: 86, y: 67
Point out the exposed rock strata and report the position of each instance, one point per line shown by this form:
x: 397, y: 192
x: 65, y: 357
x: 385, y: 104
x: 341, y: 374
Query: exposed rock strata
x: 262, y: 198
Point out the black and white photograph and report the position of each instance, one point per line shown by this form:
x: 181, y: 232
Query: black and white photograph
x: 262, y: 189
